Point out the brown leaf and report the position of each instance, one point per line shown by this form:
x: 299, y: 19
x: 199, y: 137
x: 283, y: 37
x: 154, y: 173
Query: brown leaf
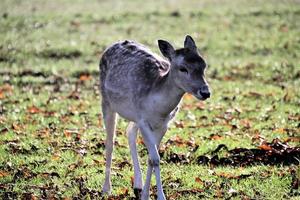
x: 74, y: 95
x: 215, y: 137
x: 29, y: 196
x: 200, y: 105
x: 178, y: 141
x: 17, y: 127
x: 3, y: 174
x: 75, y: 23
x: 198, y: 180
x: 69, y: 132
x: 98, y: 162
x: 132, y: 180
x: 284, y: 28
x: 294, y: 117
x: 257, y: 138
x: 265, y: 147
x: 125, y: 191
x: 225, y: 175
x: 246, y: 123
x: 179, y: 124
x: 292, y: 139
x: 55, y: 157
x: 280, y: 130
x: 140, y: 141
x: 85, y: 77
x: 255, y: 94
x: 6, y: 88
x: 2, y: 95
x: 43, y: 133
x: 33, y: 110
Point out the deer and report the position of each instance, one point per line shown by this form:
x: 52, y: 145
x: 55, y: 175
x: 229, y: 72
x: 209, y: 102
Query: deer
x: 146, y: 90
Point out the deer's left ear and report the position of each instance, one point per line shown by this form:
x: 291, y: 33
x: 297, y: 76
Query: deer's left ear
x: 189, y: 43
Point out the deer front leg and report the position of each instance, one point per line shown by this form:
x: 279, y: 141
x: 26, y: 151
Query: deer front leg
x: 152, y: 140
x: 132, y: 133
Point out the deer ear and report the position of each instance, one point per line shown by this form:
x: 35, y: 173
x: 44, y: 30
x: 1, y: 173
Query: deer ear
x: 166, y: 49
x: 189, y: 43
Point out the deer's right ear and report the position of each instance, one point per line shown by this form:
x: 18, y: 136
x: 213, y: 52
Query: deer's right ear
x: 166, y: 49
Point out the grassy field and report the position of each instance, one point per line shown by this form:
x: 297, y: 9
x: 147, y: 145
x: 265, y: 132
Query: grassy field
x: 51, y: 132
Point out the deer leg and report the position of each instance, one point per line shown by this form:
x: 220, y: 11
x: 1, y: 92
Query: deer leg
x: 132, y: 133
x: 110, y: 126
x: 152, y: 141
x: 146, y: 189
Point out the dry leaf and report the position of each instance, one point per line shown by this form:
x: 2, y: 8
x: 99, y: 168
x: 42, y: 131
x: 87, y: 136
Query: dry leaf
x: 69, y: 132
x: 246, y: 123
x: 265, y: 147
x: 55, y: 157
x: 280, y: 130
x: 200, y: 105
x: 215, y: 137
x: 3, y: 174
x: 85, y: 77
x: 198, y: 180
x: 33, y: 110
x: 179, y: 124
x: 292, y: 139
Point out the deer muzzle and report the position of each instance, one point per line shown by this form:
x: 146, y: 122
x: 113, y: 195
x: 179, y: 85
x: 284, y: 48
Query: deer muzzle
x: 203, y: 93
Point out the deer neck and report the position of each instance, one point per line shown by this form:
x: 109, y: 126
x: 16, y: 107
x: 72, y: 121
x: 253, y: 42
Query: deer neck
x: 168, y: 94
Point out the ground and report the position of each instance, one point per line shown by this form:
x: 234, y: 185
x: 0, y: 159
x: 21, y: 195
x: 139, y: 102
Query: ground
x: 51, y: 132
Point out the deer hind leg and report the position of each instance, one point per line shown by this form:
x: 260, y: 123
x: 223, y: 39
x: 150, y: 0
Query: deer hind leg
x: 110, y: 119
x: 132, y: 134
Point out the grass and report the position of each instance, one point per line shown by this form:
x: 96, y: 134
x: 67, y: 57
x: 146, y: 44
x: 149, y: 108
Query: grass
x: 51, y: 133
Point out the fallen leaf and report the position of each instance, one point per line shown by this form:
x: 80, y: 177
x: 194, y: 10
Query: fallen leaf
x: 246, y: 123
x: 33, y: 110
x: 55, y: 157
x: 85, y: 77
x: 200, y: 105
x: 17, y: 127
x: 265, y: 147
x: 179, y: 124
x: 215, y: 137
x: 284, y: 28
x: 69, y: 132
x: 198, y: 180
x: 292, y: 139
x: 6, y: 88
x: 2, y: 95
x: 255, y: 94
x: 4, y: 174
x: 280, y: 130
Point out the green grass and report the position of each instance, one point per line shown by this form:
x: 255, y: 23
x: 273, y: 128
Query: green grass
x: 51, y: 133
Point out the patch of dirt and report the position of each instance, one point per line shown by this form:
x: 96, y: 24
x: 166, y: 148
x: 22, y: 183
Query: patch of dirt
x: 268, y: 153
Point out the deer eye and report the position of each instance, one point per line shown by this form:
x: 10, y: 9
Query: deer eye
x: 183, y: 69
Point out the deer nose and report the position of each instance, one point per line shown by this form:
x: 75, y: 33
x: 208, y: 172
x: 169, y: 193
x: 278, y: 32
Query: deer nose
x: 204, y: 92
